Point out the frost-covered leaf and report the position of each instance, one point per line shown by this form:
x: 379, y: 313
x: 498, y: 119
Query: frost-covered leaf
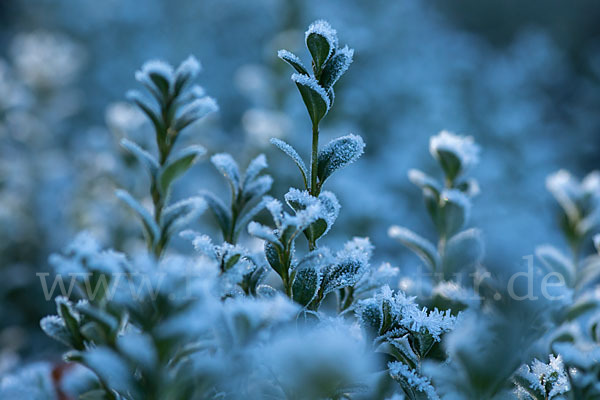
x: 401, y: 349
x: 555, y: 261
x: 315, y: 97
x: 255, y: 167
x: 293, y: 60
x: 326, y: 206
x: 259, y: 187
x: 145, y: 158
x: 424, y: 181
x: 419, y: 245
x: 455, y: 208
x: 272, y: 253
x: 157, y: 76
x: 338, y: 153
x: 248, y: 216
x: 219, y: 209
x: 346, y: 271
x: 417, y: 387
x: 109, y: 366
x: 181, y: 213
x: 227, y: 166
x: 321, y: 40
x: 336, y: 67
x: 455, y: 153
x: 195, y: 110
x: 186, y: 71
x: 262, y: 232
x: 370, y: 316
x: 139, y: 100
x: 53, y: 326
x: 293, y: 154
x: 463, y: 252
x: 150, y: 227
x: 178, y: 165
x: 306, y: 285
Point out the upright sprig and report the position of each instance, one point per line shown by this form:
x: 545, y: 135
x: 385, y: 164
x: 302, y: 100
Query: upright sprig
x: 176, y: 105
x: 329, y: 63
x: 448, y: 205
x: 308, y: 279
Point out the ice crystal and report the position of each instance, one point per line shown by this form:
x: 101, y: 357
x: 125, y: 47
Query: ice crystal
x: 402, y: 372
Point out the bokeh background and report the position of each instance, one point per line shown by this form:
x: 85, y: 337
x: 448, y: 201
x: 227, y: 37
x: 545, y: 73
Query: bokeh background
x: 521, y: 77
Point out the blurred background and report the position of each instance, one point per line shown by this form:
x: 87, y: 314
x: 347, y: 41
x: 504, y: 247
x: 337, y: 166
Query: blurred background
x: 521, y: 77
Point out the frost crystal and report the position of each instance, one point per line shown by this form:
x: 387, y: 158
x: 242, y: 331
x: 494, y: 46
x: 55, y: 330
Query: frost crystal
x: 401, y: 372
x: 322, y: 28
x: 463, y: 147
x: 313, y: 84
x: 548, y: 380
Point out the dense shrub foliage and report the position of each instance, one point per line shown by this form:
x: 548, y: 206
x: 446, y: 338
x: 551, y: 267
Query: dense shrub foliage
x: 292, y: 318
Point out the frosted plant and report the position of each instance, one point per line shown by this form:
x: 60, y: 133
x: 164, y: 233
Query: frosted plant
x: 580, y: 203
x: 406, y: 334
x: 329, y: 63
x: 458, y: 251
x: 177, y: 104
x: 308, y: 279
x: 542, y: 381
x: 245, y: 190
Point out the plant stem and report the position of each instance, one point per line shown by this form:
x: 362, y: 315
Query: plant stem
x: 314, y: 161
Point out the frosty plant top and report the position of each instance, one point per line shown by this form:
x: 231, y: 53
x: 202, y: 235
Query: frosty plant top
x: 177, y: 104
x: 329, y: 63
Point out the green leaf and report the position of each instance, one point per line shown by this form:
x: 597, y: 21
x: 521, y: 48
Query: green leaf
x: 306, y: 285
x: 401, y: 349
x: 343, y: 274
x: 424, y: 181
x: 453, y: 213
x: 293, y: 60
x: 419, y: 245
x: 272, y: 254
x: 293, y: 154
x: 145, y: 158
x: 219, y: 209
x: 336, y: 67
x: 227, y: 166
x: 338, y: 153
x: 151, y: 229
x: 321, y: 41
x: 71, y: 321
x: 371, y: 318
x: 137, y: 98
x: 178, y: 165
x: 181, y: 213
x: 315, y: 97
x: 53, y: 326
x: 450, y: 163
